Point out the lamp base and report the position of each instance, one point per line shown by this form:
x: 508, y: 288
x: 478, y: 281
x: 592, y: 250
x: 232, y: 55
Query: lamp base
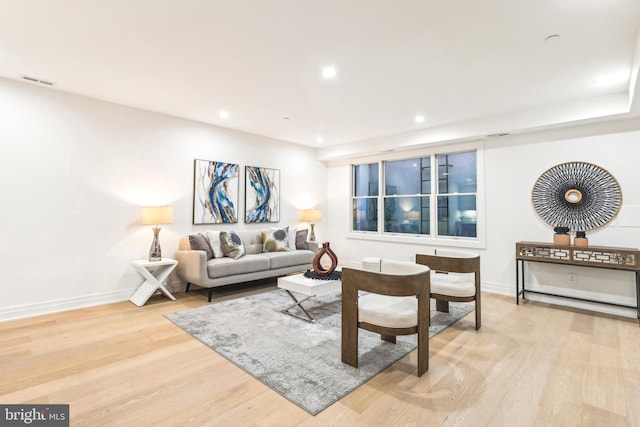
x: 312, y: 235
x: 155, y: 252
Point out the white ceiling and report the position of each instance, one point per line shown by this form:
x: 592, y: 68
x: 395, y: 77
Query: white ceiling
x: 482, y: 66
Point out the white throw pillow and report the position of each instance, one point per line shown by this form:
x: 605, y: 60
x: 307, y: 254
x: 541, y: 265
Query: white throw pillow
x: 214, y: 241
x: 291, y: 238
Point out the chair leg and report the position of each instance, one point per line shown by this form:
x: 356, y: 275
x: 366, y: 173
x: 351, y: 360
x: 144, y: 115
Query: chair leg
x: 423, y: 353
x: 187, y: 288
x: 442, y: 305
x: 349, y: 331
x: 478, y: 314
x: 388, y: 338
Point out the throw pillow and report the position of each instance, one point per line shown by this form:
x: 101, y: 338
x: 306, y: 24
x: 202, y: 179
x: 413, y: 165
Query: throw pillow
x: 231, y: 244
x: 291, y: 238
x: 214, y: 241
x: 301, y: 239
x: 199, y: 243
x: 275, y: 240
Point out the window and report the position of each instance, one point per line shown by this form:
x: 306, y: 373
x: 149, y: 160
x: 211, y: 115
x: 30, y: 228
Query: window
x: 457, y: 187
x: 407, y: 186
x: 433, y: 196
x: 365, y: 197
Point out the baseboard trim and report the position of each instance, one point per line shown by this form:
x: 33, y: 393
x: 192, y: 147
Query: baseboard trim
x: 57, y: 306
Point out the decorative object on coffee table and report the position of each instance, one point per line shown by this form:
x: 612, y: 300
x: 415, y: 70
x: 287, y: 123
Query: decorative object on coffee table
x: 578, y: 195
x: 262, y: 195
x: 311, y: 216
x: 317, y: 266
x: 215, y: 192
x: 156, y: 215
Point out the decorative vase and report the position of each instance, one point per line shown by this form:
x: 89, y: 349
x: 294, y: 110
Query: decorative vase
x: 317, y: 267
x: 155, y: 253
x: 561, y: 237
x: 581, y: 239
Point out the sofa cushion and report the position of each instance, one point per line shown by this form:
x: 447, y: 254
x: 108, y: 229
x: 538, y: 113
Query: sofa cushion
x: 231, y: 244
x: 223, y: 267
x: 252, y: 241
x: 289, y: 259
x: 275, y: 240
x: 199, y: 243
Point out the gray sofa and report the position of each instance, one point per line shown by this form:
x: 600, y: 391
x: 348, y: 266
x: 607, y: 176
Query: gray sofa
x: 194, y: 268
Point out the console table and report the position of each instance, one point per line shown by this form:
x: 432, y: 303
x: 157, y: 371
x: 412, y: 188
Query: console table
x: 591, y: 256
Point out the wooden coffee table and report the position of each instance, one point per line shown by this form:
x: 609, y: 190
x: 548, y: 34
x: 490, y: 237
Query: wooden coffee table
x: 300, y: 284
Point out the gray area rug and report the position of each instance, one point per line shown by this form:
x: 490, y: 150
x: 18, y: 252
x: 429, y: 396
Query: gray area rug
x: 298, y: 359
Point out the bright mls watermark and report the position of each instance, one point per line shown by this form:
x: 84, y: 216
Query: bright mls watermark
x: 34, y: 415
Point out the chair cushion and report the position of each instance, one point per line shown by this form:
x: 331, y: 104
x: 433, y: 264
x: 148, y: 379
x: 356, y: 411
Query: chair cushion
x: 389, y: 266
x: 387, y: 311
x: 455, y: 285
x: 371, y: 264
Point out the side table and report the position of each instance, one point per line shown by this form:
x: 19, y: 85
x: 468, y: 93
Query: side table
x: 155, y: 273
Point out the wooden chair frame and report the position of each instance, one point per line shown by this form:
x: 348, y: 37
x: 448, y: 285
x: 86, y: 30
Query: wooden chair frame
x: 411, y: 284
x: 452, y: 264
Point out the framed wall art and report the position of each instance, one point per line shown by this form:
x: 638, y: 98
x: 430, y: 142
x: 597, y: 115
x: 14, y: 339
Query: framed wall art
x: 578, y: 195
x: 262, y: 195
x: 215, y: 192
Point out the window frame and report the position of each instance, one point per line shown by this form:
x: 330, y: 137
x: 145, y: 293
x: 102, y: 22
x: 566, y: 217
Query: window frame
x: 424, y: 239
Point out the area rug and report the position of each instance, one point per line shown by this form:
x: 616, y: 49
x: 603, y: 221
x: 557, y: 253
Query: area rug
x: 298, y: 359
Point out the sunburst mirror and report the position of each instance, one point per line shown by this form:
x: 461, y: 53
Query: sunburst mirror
x: 578, y: 195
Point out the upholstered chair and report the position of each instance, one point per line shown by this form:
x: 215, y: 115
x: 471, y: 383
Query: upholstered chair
x: 394, y: 300
x: 455, y: 276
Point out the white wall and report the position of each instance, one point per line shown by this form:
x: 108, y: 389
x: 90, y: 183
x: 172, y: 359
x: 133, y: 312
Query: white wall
x: 75, y: 172
x: 512, y: 164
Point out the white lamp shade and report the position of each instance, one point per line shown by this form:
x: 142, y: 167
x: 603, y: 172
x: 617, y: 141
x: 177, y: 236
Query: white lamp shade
x: 311, y: 215
x: 156, y: 215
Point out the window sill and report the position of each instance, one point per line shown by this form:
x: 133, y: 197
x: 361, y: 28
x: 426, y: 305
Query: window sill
x: 461, y: 242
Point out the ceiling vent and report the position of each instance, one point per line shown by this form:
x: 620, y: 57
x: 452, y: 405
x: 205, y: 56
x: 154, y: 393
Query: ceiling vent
x: 35, y: 80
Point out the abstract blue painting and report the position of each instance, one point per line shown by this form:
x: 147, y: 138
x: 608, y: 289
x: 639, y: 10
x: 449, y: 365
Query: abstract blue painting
x: 262, y: 195
x: 215, y: 194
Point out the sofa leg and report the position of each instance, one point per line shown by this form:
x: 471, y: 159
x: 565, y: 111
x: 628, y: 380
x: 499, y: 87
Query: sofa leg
x: 188, y: 286
x: 210, y: 294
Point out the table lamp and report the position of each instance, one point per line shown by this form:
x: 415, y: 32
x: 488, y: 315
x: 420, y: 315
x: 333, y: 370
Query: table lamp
x: 311, y: 216
x: 156, y: 215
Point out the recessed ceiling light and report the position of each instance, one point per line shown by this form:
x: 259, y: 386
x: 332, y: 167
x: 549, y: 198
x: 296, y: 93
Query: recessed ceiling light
x: 419, y: 119
x: 329, y: 72
x: 612, y: 79
x: 319, y: 139
x: 223, y: 115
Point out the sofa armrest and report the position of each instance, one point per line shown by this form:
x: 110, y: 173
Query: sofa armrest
x: 192, y: 266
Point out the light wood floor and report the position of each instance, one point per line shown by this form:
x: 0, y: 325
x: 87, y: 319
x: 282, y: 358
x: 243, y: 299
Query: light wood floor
x: 529, y: 365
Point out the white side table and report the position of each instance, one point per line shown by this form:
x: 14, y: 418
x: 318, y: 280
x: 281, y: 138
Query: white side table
x: 155, y: 273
